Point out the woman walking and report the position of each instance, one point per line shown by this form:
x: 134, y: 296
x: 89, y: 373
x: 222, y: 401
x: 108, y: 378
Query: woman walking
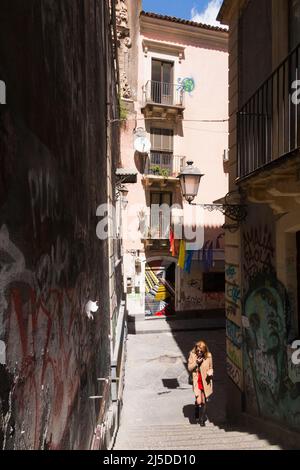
x: 201, y: 366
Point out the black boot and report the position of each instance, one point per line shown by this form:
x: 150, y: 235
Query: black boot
x: 204, y: 412
x: 203, y: 417
x: 196, y: 412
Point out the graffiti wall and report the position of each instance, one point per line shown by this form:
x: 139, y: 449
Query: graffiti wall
x: 195, y: 293
x: 52, y: 159
x: 160, y: 287
x: 269, y: 391
x: 192, y: 295
x: 234, y: 339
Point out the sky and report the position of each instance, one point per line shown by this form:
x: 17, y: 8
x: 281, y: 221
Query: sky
x: 202, y: 11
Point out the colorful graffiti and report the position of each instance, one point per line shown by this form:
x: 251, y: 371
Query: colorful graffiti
x: 234, y: 353
x: 268, y: 386
x: 230, y: 272
x: 204, y: 301
x: 233, y: 292
x: 160, y: 288
x: 258, y: 252
x: 46, y: 339
x: 234, y: 333
x: 186, y: 84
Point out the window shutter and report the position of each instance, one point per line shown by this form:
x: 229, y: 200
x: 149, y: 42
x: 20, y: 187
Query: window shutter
x: 162, y: 139
x: 167, y: 140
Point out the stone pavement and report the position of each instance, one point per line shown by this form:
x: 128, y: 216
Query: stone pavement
x: 159, y: 403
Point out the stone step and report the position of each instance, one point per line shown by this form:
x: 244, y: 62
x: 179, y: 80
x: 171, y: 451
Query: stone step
x: 197, y: 432
x: 190, y: 437
x: 178, y: 448
x: 192, y: 429
x: 230, y: 443
x: 196, y: 439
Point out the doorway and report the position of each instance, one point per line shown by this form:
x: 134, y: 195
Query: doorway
x: 160, y: 287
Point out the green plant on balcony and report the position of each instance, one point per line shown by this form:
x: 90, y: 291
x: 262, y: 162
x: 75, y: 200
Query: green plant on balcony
x: 165, y: 173
x: 155, y: 170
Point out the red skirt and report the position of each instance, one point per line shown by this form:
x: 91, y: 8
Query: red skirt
x: 200, y: 383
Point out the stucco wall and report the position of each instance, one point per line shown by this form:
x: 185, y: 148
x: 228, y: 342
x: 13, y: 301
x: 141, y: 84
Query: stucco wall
x: 54, y: 60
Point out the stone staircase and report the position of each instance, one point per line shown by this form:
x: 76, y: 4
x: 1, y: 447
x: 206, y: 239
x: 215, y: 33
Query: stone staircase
x: 190, y: 437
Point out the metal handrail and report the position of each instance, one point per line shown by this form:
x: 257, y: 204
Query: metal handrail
x: 268, y: 123
x: 164, y: 164
x: 164, y: 93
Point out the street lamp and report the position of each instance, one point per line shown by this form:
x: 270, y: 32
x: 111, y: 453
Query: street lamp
x: 190, y: 180
x: 122, y: 192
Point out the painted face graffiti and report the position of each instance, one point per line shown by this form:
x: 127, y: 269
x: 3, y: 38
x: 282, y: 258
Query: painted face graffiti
x: 268, y: 387
x: 265, y: 338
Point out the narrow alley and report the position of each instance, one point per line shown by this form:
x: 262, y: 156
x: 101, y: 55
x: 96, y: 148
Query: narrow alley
x: 158, y: 411
x: 149, y: 226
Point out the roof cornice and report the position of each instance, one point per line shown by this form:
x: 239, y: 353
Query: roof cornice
x: 185, y: 32
x: 174, y: 19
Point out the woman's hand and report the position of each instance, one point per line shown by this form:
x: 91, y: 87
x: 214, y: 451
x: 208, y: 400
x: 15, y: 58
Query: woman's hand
x: 199, y: 360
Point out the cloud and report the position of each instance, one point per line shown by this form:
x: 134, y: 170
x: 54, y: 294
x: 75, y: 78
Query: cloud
x: 209, y: 14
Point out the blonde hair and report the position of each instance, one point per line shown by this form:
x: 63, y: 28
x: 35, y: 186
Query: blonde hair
x: 206, y: 350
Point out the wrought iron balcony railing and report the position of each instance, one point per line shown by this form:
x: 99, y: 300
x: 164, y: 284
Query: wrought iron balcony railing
x: 156, y: 223
x: 164, y: 164
x: 269, y: 123
x: 166, y: 94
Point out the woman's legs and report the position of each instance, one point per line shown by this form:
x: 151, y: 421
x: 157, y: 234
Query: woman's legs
x: 199, y: 403
x: 200, y: 398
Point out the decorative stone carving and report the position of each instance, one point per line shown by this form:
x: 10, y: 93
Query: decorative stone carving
x: 124, y: 43
x: 122, y: 14
x: 125, y: 88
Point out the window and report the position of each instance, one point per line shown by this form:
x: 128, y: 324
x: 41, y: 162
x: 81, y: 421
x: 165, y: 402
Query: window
x: 162, y: 71
x: 162, y: 139
x: 162, y: 78
x: 160, y: 223
x: 161, y: 157
x: 213, y: 282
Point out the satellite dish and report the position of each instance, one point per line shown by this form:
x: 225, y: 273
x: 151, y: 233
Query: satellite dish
x: 142, y: 145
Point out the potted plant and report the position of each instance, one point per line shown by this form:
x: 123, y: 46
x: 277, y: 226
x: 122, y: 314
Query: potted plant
x: 155, y: 170
x: 165, y: 173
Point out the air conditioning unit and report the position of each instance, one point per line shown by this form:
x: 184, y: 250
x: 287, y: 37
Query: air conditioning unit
x: 226, y: 155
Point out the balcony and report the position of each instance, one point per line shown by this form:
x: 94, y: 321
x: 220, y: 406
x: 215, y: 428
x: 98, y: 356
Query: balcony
x: 269, y: 123
x: 163, y: 100
x: 155, y: 226
x: 162, y: 168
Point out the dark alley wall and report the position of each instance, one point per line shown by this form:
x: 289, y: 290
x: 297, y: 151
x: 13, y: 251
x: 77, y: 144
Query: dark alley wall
x: 269, y: 389
x: 54, y: 57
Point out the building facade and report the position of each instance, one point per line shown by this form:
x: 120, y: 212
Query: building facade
x: 176, y: 112
x: 263, y: 251
x: 57, y: 165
